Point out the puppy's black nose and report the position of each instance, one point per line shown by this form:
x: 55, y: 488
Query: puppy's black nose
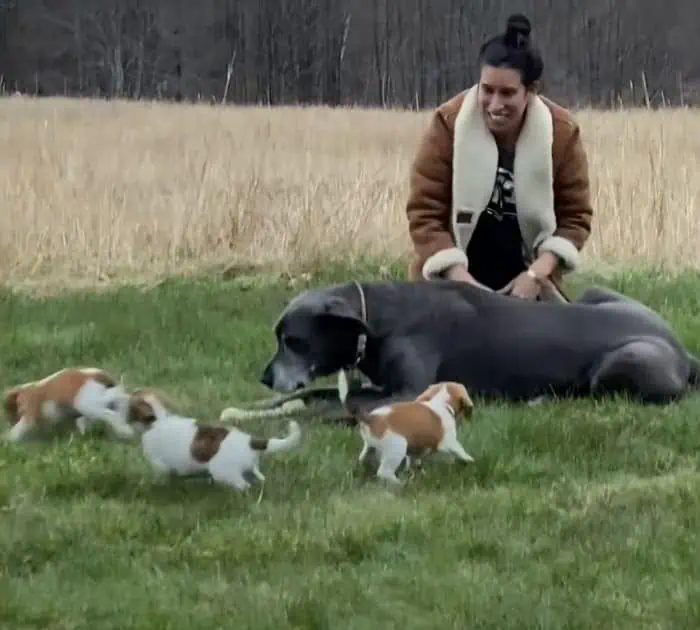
x: 266, y: 379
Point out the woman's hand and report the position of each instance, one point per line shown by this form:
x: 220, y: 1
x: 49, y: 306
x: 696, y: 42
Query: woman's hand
x: 528, y: 284
x: 459, y: 273
x: 525, y: 285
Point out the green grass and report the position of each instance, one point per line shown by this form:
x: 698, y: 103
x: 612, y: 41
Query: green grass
x: 575, y: 515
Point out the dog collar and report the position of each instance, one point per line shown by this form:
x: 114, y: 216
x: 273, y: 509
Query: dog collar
x: 362, y: 338
x: 347, y: 377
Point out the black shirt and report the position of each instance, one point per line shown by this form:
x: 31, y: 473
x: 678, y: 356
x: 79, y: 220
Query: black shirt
x: 495, y: 250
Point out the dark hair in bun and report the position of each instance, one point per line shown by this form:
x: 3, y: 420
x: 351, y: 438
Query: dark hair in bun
x: 512, y: 49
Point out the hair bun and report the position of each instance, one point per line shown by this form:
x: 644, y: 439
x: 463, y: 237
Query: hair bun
x: 518, y: 30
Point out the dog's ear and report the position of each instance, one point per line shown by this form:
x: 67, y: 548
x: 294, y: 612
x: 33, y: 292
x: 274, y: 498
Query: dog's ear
x: 11, y: 405
x: 429, y: 393
x: 462, y: 401
x: 10, y: 399
x: 335, y: 306
x: 140, y: 411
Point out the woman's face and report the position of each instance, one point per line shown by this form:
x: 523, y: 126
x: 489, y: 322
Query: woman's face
x: 502, y: 98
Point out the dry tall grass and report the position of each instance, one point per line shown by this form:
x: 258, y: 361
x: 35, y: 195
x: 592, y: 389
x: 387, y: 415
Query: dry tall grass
x: 96, y: 190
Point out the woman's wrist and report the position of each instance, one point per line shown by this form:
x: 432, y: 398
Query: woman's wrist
x: 545, y: 265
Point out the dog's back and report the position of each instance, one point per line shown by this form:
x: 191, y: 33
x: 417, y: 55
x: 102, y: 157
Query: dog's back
x: 62, y: 387
x: 52, y: 396
x: 171, y: 441
x: 415, y: 421
x: 167, y: 438
x: 206, y: 442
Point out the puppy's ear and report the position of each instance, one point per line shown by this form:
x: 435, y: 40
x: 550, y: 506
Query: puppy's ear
x: 462, y: 399
x: 140, y: 411
x: 429, y: 393
x: 11, y: 405
x: 10, y: 399
x: 340, y: 308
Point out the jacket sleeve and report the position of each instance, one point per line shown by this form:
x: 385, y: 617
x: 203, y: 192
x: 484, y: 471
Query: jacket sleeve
x: 429, y: 202
x: 572, y: 203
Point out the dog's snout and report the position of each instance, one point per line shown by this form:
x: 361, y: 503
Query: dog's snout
x: 272, y: 381
x: 266, y: 378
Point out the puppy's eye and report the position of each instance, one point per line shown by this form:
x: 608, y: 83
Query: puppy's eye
x: 295, y: 344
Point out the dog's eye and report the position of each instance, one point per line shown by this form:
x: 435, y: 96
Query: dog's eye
x: 295, y: 344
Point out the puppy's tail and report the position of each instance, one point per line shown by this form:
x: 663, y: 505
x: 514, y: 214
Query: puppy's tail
x: 275, y: 445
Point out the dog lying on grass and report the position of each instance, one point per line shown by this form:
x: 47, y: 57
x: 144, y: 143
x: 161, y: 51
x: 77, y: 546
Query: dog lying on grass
x: 84, y: 396
x: 403, y: 335
x: 414, y: 428
x: 176, y: 444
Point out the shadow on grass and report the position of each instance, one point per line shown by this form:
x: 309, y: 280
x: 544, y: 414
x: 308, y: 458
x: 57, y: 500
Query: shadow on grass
x: 199, y: 493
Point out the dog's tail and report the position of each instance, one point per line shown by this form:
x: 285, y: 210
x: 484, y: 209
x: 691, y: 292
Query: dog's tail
x: 275, y: 445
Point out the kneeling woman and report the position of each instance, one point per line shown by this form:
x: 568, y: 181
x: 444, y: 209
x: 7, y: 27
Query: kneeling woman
x: 500, y: 193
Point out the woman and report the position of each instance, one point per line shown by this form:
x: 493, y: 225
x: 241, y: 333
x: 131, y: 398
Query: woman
x: 499, y: 189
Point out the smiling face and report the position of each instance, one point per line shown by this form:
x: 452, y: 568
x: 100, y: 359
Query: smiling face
x: 502, y: 99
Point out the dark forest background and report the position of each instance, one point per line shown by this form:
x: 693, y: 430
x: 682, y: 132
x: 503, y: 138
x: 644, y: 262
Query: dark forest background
x: 406, y: 53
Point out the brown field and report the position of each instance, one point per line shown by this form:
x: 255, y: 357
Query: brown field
x: 97, y: 191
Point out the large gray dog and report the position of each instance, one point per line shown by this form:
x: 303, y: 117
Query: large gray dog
x: 403, y: 336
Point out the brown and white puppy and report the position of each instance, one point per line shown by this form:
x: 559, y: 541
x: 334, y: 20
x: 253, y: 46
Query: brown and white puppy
x: 81, y: 395
x: 413, y: 428
x: 181, y: 445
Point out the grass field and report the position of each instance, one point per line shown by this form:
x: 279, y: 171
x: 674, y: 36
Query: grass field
x: 574, y: 515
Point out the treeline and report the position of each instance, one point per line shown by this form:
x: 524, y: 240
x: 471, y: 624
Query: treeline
x: 410, y: 53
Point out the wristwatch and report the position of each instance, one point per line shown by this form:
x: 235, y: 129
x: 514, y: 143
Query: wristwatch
x: 533, y: 275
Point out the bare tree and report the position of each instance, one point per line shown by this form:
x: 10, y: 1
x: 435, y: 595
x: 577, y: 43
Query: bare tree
x: 365, y: 52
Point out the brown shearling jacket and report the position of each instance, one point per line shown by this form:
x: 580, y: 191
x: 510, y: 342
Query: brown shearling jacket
x: 428, y: 207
